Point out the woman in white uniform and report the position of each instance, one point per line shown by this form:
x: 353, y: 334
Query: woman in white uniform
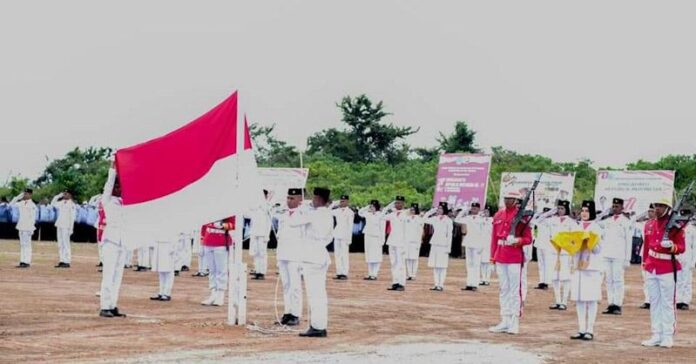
x: 486, y: 266
x: 440, y: 245
x: 560, y: 259
x: 414, y: 239
x: 374, y: 231
x: 586, y: 280
x: 164, y: 258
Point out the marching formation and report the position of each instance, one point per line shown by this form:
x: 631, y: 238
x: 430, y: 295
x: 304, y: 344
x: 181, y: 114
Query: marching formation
x: 576, y: 255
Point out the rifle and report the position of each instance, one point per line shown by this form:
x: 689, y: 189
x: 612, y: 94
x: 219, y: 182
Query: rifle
x: 522, y: 213
x: 676, y: 222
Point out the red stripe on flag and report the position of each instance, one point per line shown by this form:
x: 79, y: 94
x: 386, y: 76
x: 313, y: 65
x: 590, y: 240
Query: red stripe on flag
x: 167, y: 164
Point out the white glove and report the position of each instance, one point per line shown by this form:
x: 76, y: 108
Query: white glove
x: 511, y: 240
x: 667, y: 244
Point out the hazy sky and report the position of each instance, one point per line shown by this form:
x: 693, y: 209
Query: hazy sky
x: 613, y: 81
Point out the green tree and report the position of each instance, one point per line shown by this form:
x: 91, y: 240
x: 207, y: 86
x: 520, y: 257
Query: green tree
x: 82, y: 171
x: 367, y: 138
x: 460, y: 141
x: 271, y: 151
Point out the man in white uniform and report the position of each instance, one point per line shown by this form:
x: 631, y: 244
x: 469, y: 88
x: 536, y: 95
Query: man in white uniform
x: 26, y: 224
x: 616, y: 249
x: 114, y: 248
x: 259, y: 232
x: 343, y: 236
x: 474, y: 233
x: 318, y: 223
x: 687, y: 260
x: 291, y: 238
x: 542, y: 243
x: 67, y: 211
x: 397, y: 244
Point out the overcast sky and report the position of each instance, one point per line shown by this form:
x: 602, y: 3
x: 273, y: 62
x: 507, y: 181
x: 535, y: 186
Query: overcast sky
x: 613, y: 81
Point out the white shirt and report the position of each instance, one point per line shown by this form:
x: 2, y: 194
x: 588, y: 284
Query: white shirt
x: 344, y: 223
x: 260, y: 224
x: 113, y: 211
x: 543, y: 236
x: 397, y: 234
x: 594, y: 257
x: 442, y: 232
x: 318, y: 223
x: 375, y: 223
x: 688, y: 258
x: 618, y: 237
x: 475, y: 237
x: 27, y: 213
x: 67, y: 211
x: 290, y: 238
x: 413, y: 229
x: 559, y: 224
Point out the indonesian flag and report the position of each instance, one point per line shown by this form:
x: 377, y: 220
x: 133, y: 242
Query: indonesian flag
x: 199, y: 173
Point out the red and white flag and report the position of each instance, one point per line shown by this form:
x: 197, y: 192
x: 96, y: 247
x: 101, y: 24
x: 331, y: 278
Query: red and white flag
x: 189, y: 177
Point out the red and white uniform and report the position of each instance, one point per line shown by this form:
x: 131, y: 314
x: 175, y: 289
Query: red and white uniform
x: 509, y: 260
x: 660, y: 264
x: 216, y: 242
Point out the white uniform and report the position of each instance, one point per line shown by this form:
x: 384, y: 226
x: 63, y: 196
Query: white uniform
x: 26, y: 224
x: 646, y: 293
x: 474, y: 242
x: 200, y: 251
x: 486, y: 266
x: 259, y: 232
x: 343, y: 236
x: 183, y: 251
x: 561, y: 259
x: 586, y: 287
x: 374, y: 232
x: 544, y: 250
x: 397, y: 245
x: 440, y: 247
x: 687, y: 260
x: 65, y: 222
x: 114, y: 247
x: 315, y: 261
x: 164, y: 261
x: 413, y: 231
x: 616, y: 249
x: 290, y: 240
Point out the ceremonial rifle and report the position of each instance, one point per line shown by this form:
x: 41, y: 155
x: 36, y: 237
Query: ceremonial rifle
x: 522, y: 212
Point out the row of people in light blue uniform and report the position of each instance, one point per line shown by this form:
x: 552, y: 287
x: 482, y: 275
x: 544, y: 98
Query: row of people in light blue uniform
x: 86, y: 214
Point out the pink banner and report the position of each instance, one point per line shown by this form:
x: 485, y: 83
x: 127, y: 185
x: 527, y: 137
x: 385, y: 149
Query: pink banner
x: 462, y: 179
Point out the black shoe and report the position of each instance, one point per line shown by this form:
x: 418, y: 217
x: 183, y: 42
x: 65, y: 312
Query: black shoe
x: 100, y: 269
x: 184, y: 268
x: 284, y: 319
x: 617, y: 310
x: 400, y: 288
x: 484, y: 283
x: 409, y: 278
x: 100, y: 264
x: 59, y: 265
x: 199, y: 274
x: 682, y: 306
x: 554, y: 307
x: 439, y: 289
x: 292, y: 320
x: 156, y: 298
x: 562, y: 307
x: 578, y: 336
x: 106, y: 313
x: 166, y: 298
x: 139, y: 268
x: 66, y: 265
x: 610, y: 310
x: 469, y: 288
x: 373, y: 278
x: 542, y: 286
x: 259, y: 277
x: 116, y: 313
x: 368, y: 278
x: 176, y: 273
x: 337, y: 277
x: 23, y: 265
x: 312, y: 332
x: 393, y: 287
x: 588, y: 337
x: 343, y: 277
x: 434, y: 288
x: 127, y: 266
x: 645, y: 306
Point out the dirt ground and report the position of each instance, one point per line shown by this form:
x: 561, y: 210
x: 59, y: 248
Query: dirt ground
x: 49, y: 314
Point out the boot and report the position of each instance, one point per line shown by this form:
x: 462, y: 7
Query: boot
x: 514, y: 328
x: 503, y: 326
x: 209, y: 301
x: 219, y: 298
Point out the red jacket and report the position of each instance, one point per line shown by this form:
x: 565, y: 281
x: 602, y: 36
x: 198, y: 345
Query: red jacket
x: 213, y: 234
x: 659, y: 259
x: 508, y: 254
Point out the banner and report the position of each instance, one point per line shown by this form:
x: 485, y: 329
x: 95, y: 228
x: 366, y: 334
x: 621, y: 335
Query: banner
x: 278, y: 180
x: 552, y: 187
x: 462, y: 179
x: 638, y: 189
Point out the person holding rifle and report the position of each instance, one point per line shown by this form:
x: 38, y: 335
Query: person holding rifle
x: 509, y: 236
x: 665, y: 240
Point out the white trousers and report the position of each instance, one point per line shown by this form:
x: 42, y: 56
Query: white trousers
x: 662, y: 314
x: 166, y: 282
x: 25, y: 246
x: 614, y: 279
x: 684, y: 285
x: 291, y: 278
x: 202, y: 263
x: 510, y: 276
x: 315, y: 284
x: 561, y: 292
x: 523, y: 281
x: 63, y: 236
x: 397, y: 259
x: 101, y: 252
x: 373, y: 269
x: 112, y: 274
x: 258, y: 249
x: 411, y: 267
x: 216, y: 260
x: 129, y: 257
x: 645, y: 286
x: 342, y: 256
x: 486, y: 270
x: 187, y: 254
x: 144, y: 257
x: 587, y: 314
x: 542, y: 265
x: 439, y: 275
x: 473, y: 266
